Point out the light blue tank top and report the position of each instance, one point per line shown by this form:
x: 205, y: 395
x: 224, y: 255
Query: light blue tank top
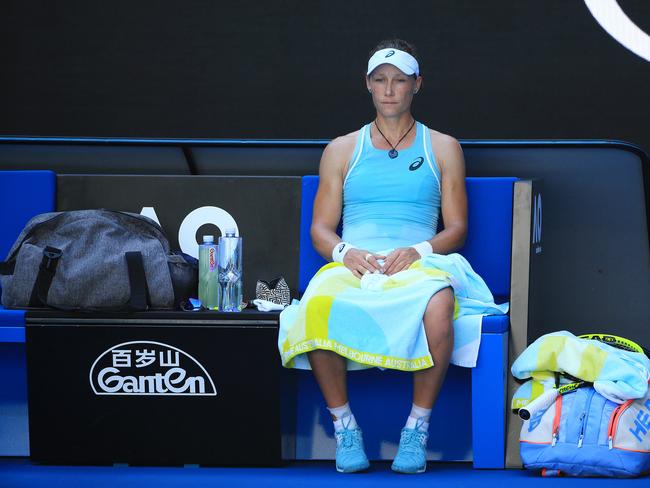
x: 389, y: 203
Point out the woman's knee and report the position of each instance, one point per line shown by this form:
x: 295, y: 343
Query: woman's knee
x: 441, y: 304
x: 438, y: 317
x: 325, y: 360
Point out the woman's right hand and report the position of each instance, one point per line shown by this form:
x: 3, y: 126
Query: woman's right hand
x: 361, y: 262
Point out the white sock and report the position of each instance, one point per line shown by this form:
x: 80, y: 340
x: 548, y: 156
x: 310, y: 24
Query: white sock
x: 340, y: 412
x: 348, y: 422
x: 343, y: 417
x: 419, y: 417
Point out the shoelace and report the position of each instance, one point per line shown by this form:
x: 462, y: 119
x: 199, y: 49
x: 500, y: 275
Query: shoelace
x: 347, y: 438
x: 411, y: 440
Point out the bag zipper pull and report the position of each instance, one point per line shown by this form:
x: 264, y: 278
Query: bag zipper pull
x: 613, y: 422
x: 582, y: 421
x: 556, y: 420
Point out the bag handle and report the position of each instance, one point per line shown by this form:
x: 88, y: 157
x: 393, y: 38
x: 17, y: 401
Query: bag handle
x: 139, y: 299
x: 46, y: 272
x: 139, y: 294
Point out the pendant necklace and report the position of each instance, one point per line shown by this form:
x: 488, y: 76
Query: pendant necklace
x: 392, y: 154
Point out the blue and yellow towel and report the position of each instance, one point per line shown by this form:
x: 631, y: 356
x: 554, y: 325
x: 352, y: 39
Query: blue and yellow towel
x: 378, y: 322
x: 616, y: 374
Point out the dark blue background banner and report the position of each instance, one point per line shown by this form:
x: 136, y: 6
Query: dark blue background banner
x: 293, y: 69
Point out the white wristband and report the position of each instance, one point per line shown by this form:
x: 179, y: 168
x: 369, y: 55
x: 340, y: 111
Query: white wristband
x: 423, y: 248
x: 340, y: 250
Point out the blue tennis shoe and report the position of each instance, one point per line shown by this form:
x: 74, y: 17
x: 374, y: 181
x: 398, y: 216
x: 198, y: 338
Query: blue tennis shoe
x: 412, y: 452
x: 350, y: 454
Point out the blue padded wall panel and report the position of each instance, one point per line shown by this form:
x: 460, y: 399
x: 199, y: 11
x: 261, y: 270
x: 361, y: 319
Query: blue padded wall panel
x: 489, y: 236
x: 310, y: 260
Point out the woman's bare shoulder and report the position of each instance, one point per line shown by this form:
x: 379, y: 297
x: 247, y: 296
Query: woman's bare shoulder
x: 339, y: 151
x: 447, y: 149
x: 344, y: 143
x: 440, y: 140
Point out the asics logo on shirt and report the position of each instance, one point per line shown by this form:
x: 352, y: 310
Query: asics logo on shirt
x: 341, y: 247
x: 389, y: 54
x: 416, y: 164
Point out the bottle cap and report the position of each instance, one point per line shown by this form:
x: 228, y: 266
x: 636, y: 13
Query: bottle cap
x: 230, y: 231
x: 208, y: 239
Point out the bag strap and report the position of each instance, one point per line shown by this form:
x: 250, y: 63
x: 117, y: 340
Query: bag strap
x: 46, y: 272
x: 7, y: 267
x: 139, y: 295
x: 139, y: 299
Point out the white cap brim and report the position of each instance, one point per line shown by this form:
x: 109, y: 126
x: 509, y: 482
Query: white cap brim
x: 403, y: 61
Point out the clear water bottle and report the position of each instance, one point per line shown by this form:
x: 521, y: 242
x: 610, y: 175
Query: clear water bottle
x: 208, y: 273
x: 230, y: 272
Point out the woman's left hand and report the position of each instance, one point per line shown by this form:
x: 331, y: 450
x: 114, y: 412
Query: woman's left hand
x: 400, y: 259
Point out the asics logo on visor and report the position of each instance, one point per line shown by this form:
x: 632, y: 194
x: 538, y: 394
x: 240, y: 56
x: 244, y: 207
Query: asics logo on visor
x: 389, y: 54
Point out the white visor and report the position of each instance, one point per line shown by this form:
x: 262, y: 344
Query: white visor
x: 403, y: 61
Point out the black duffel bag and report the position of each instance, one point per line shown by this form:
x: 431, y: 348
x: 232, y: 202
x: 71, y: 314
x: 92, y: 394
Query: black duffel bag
x: 95, y: 260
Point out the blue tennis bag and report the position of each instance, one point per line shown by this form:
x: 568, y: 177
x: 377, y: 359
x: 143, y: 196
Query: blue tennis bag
x: 584, y: 434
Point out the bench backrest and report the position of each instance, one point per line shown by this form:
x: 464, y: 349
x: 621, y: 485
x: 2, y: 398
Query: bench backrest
x: 488, y: 245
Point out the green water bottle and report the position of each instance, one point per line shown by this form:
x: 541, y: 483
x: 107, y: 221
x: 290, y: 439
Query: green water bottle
x: 209, y: 273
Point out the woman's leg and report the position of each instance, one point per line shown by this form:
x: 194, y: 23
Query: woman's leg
x: 438, y: 317
x: 330, y: 372
x: 438, y: 324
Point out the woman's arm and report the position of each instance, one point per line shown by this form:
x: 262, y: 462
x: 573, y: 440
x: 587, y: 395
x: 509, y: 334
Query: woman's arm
x: 454, y: 198
x: 328, y: 202
x: 328, y: 205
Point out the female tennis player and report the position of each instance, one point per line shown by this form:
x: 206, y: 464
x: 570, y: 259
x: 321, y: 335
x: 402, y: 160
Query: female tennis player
x: 389, y: 182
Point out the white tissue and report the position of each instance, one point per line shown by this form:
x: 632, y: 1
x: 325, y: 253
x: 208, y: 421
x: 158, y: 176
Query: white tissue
x: 373, y: 281
x: 266, y: 306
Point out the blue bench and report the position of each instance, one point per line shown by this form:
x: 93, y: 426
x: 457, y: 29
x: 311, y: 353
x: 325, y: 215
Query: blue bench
x: 464, y: 430
x: 488, y: 249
